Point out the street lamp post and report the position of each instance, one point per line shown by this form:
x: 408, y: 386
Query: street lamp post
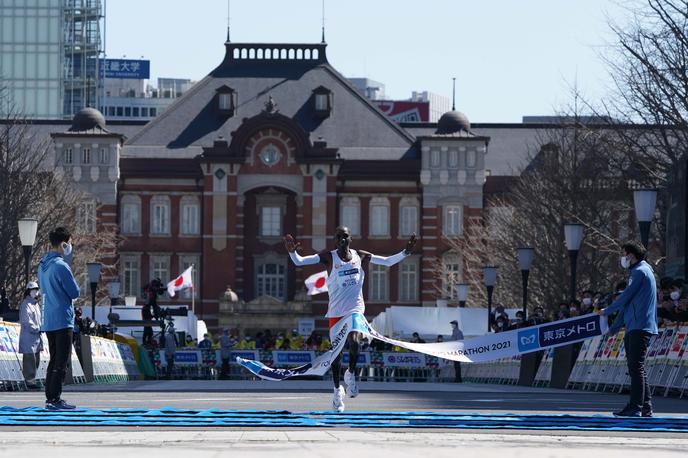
x: 93, y: 269
x: 27, y: 236
x: 462, y: 293
x: 573, y: 234
x: 525, y: 260
x: 644, y: 201
x: 489, y: 278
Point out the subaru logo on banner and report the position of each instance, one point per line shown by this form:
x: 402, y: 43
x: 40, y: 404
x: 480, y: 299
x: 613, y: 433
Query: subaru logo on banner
x: 528, y: 340
x: 569, y: 330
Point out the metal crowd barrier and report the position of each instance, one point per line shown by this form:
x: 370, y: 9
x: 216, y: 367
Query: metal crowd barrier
x: 194, y: 363
x: 11, y: 375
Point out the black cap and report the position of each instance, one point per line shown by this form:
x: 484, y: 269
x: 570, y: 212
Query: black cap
x: 453, y: 322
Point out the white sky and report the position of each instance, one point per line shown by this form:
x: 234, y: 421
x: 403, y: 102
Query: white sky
x: 510, y: 57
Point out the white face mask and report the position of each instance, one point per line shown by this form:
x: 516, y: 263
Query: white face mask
x: 33, y: 293
x: 625, y: 263
x: 675, y: 295
x: 587, y: 300
x: 67, y: 248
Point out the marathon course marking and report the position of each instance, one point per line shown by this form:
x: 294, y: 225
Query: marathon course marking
x: 35, y: 416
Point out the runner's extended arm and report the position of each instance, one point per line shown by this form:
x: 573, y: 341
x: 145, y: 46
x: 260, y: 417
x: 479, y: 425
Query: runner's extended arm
x: 388, y: 261
x: 304, y: 260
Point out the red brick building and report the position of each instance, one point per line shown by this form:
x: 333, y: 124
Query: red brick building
x: 273, y: 141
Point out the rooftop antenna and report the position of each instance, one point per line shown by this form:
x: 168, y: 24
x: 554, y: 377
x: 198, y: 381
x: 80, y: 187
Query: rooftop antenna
x: 453, y: 94
x: 323, y: 22
x: 229, y: 2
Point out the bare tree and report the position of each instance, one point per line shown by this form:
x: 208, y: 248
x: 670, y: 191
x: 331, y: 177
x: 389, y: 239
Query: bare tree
x: 571, y: 178
x: 29, y: 188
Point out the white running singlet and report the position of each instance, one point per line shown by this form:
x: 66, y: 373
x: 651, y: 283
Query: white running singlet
x: 345, y: 286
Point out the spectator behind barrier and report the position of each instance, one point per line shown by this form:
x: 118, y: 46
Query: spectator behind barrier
x: 206, y: 343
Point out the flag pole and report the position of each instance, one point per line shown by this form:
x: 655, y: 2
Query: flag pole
x: 193, y: 293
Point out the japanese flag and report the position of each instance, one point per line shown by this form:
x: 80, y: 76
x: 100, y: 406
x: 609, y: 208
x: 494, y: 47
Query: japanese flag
x: 181, y: 282
x: 317, y: 283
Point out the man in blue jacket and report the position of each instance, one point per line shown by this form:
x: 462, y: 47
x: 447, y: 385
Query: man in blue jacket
x: 637, y: 307
x: 59, y: 289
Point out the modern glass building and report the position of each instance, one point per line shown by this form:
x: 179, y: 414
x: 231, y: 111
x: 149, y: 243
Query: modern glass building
x: 48, y: 55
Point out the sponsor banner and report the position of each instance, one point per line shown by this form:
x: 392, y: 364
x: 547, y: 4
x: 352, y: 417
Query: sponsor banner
x: 405, y: 110
x: 125, y: 68
x: 183, y: 358
x: 404, y: 360
x: 246, y: 354
x: 292, y: 358
x: 363, y: 358
x: 480, y: 349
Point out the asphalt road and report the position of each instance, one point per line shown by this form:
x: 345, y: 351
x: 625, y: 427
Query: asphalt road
x: 303, y: 396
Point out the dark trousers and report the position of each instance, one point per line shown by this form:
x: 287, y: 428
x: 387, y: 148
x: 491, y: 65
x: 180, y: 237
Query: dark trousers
x: 636, y: 350
x: 457, y: 372
x: 60, y: 346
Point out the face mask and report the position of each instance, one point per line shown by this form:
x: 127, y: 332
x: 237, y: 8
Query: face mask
x: 500, y: 324
x: 625, y: 263
x: 67, y: 248
x: 587, y: 301
x: 675, y: 295
x: 33, y: 293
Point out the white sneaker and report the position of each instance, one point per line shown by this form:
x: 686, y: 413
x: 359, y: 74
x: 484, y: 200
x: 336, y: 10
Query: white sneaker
x: 351, y: 385
x: 338, y: 399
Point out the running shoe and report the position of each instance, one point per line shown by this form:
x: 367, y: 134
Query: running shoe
x: 58, y: 405
x: 351, y: 385
x: 628, y: 412
x: 338, y: 399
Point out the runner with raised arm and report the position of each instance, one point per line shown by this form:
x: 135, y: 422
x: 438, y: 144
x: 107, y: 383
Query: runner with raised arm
x: 345, y: 288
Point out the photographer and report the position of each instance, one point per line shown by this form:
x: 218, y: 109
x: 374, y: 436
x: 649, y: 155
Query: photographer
x: 151, y: 310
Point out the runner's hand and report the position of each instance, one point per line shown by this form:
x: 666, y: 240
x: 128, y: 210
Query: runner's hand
x: 290, y: 244
x: 411, y: 243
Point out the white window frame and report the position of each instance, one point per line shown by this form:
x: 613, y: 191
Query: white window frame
x: 189, y: 216
x: 160, y: 226
x: 159, y: 267
x: 321, y: 102
x: 379, y: 283
x: 262, y: 210
x: 86, y: 155
x: 131, y: 274
x: 68, y: 156
x: 350, y: 207
x: 279, y: 279
x: 409, y: 279
x: 104, y: 156
x: 471, y: 158
x: 225, y: 101
x: 130, y: 205
x: 453, y: 158
x: 379, y: 210
x: 435, y: 158
x: 405, y: 227
x: 451, y: 226
x: 186, y: 260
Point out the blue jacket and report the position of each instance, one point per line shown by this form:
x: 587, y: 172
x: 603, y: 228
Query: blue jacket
x: 637, y: 305
x: 58, y: 289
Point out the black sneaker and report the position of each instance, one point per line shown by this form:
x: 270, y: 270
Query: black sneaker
x: 49, y: 405
x: 628, y: 412
x: 646, y: 411
x: 59, y: 405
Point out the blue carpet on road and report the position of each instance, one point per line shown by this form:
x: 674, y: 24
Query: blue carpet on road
x: 34, y: 416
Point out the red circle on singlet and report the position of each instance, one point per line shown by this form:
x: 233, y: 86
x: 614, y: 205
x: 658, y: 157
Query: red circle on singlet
x: 320, y: 282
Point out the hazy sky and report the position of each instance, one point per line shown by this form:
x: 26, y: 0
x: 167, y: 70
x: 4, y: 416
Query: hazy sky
x: 510, y: 57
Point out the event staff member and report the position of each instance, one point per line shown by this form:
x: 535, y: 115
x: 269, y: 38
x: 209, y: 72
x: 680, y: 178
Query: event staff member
x: 637, y: 307
x: 345, y: 289
x: 457, y: 334
x: 30, y: 343
x: 59, y: 289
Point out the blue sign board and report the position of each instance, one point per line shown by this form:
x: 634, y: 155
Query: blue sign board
x: 569, y: 330
x: 125, y: 68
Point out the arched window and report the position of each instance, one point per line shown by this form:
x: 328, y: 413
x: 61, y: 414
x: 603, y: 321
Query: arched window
x: 190, y: 215
x: 160, y: 215
x: 350, y: 214
x: 408, y: 216
x: 379, y: 217
x: 408, y: 279
x: 130, y: 214
x: 452, y: 217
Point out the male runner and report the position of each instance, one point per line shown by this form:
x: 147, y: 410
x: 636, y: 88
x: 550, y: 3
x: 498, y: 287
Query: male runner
x: 345, y: 289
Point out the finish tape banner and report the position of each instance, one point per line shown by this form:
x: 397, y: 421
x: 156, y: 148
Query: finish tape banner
x: 480, y: 349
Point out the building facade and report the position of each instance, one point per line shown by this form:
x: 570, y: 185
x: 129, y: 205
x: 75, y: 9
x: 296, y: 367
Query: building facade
x: 275, y: 141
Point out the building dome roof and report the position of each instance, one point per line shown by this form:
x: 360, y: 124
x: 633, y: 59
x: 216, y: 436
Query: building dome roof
x: 88, y: 119
x: 452, y: 122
